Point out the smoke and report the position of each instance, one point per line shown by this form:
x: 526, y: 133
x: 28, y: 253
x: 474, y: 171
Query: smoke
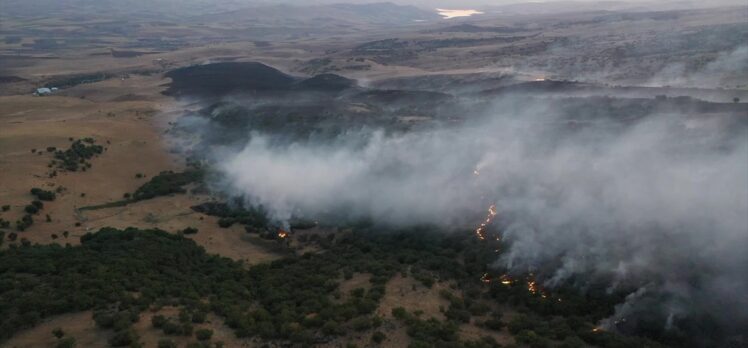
x: 727, y: 69
x: 660, y: 204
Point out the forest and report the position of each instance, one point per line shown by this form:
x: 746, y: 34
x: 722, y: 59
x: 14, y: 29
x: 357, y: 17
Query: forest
x: 291, y: 300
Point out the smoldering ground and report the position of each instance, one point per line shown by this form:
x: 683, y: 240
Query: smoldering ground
x: 657, y: 204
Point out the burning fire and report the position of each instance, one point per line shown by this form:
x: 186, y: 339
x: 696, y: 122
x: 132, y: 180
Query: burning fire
x: 532, y: 287
x: 481, y: 231
x: 505, y: 280
x: 282, y: 234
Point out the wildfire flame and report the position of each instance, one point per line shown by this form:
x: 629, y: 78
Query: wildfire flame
x: 481, y: 231
x: 532, y: 287
x: 506, y: 280
x: 282, y: 234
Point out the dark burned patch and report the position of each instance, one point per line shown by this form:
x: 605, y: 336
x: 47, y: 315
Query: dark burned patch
x: 219, y: 79
x: 129, y: 54
x: 401, y: 96
x: 327, y: 82
x: 225, y: 78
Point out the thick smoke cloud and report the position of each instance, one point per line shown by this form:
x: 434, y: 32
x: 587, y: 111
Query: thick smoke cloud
x: 658, y: 205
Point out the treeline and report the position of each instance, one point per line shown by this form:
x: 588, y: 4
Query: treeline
x: 164, y: 184
x: 235, y: 212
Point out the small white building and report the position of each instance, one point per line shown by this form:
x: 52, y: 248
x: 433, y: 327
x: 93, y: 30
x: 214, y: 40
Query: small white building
x: 45, y: 91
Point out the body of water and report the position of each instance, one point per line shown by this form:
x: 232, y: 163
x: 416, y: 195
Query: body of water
x: 448, y: 14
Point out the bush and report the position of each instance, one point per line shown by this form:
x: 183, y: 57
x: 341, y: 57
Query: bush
x: 520, y: 323
x: 457, y: 314
x: 331, y: 327
x: 190, y: 230
x: 67, y: 342
x: 177, y: 329
x: 43, y: 195
x: 204, y: 334
x: 158, y: 321
x: 572, y: 342
x: 123, y: 338
x: 57, y: 332
x: 494, y: 324
x: 399, y: 313
x: 31, y: 209
x: 361, y: 323
x: 199, y: 317
x: 532, y: 339
x: 378, y: 337
x: 166, y: 343
x: 25, y: 222
x: 6, y: 207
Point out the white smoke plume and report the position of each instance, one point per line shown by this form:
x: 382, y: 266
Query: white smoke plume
x: 728, y: 69
x: 645, y: 202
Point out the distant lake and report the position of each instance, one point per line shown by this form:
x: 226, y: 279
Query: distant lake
x: 448, y: 14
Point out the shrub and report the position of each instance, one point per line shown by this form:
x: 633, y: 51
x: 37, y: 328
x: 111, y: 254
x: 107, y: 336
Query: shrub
x: 43, y: 195
x: 67, y: 342
x: 378, y: 337
x: 532, y: 339
x: 572, y: 342
x: 31, y: 209
x: 331, y: 327
x: 199, y: 317
x: 166, y: 343
x: 361, y: 323
x: 6, y: 207
x: 204, y: 334
x: 57, y: 332
x: 158, y: 321
x: 25, y: 222
x: 190, y: 230
x: 123, y: 338
x: 399, y: 313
